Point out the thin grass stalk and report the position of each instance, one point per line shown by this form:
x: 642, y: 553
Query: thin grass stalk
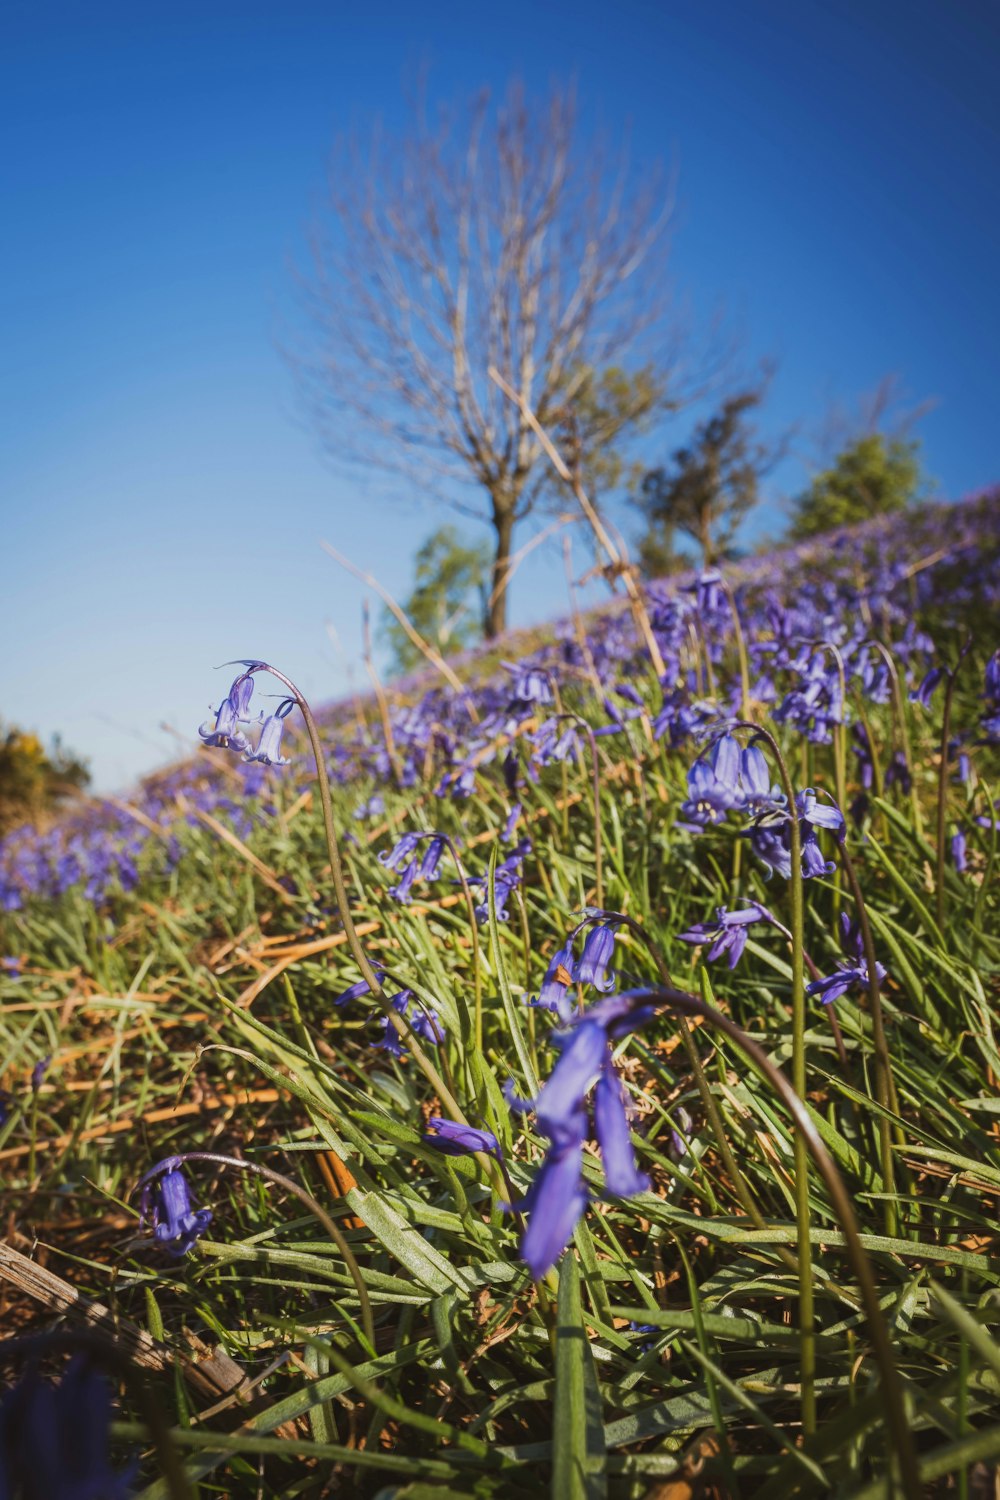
x: 899, y: 714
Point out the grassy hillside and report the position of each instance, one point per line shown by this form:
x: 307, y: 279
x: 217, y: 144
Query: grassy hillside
x: 713, y: 1206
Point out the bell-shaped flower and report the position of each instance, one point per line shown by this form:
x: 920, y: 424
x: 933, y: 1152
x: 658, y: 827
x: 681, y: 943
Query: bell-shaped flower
x: 453, y: 1139
x: 268, y: 751
x: 166, y: 1205
x: 621, y: 1174
x: 728, y: 933
x: 598, y: 951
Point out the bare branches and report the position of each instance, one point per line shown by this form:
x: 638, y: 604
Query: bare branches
x: 481, y: 239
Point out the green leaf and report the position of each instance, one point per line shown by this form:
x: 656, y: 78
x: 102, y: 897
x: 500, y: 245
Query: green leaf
x: 578, y: 1467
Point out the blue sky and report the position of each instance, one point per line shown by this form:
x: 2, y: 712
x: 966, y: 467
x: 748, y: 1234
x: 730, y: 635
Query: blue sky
x: 162, y: 499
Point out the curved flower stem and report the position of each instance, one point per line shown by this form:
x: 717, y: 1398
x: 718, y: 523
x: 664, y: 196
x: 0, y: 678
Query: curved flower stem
x: 316, y: 1209
x: 899, y: 1427
x: 796, y: 923
x: 885, y: 1086
x: 396, y: 1021
x: 102, y: 1351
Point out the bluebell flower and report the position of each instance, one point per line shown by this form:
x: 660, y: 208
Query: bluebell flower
x: 925, y: 691
x: 554, y: 993
x: 708, y: 591
x: 400, y: 852
x: 435, y: 848
x: 360, y: 988
x: 819, y: 814
x: 851, y: 971
x: 12, y: 966
x: 622, y: 1177
x: 714, y: 787
x: 268, y: 751
x: 759, y: 794
x: 531, y: 684
x: 510, y: 825
x: 557, y: 1197
x: 598, y: 950
x: 55, y: 1438
x: 728, y: 933
x: 166, y: 1205
x: 959, y: 851
x: 769, y: 841
x: 460, y: 1140
x: 897, y: 773
x: 232, y: 711
x: 38, y: 1073
x: 401, y: 891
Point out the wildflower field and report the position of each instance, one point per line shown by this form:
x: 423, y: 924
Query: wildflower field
x: 586, y: 1084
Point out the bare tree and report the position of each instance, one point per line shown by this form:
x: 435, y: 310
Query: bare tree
x: 494, y: 237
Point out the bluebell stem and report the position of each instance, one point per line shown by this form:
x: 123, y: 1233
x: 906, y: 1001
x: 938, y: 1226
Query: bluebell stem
x: 165, y: 1204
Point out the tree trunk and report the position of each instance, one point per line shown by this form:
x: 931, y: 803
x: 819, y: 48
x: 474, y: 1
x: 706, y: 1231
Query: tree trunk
x: 496, y: 614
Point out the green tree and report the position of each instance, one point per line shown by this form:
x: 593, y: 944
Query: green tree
x: 34, y: 781
x: 707, y: 488
x: 448, y: 603
x: 872, y: 476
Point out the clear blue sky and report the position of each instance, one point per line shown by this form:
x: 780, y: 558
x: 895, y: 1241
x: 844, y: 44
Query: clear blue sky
x: 161, y: 501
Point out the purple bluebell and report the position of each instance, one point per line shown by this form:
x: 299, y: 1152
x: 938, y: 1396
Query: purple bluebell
x: 38, y: 1073
x: 925, y: 691
x: 506, y: 877
x: 531, y: 684
x: 513, y: 817
x: 768, y: 838
x: 959, y: 851
x: 460, y: 1140
x: 556, y: 1201
x: 851, y: 971
x: 622, y: 1177
x: 268, y: 751
x: 55, y: 1438
x: 166, y: 1205
x: 12, y: 966
x: 898, y: 773
x: 728, y: 933
x: 357, y: 990
x: 400, y: 852
x: 714, y: 787
x: 232, y: 711
x: 554, y: 993
x: 432, y: 855
x: 759, y: 794
x: 402, y: 890
x: 708, y: 591
x: 819, y: 814
x: 598, y: 950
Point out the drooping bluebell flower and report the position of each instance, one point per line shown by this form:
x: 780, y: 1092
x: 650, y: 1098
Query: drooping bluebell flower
x: 760, y: 795
x: 959, y: 851
x: 768, y: 838
x: 38, y: 1073
x: 55, y: 1438
x: 402, y: 890
x: 925, y: 691
x: 819, y: 814
x: 557, y: 1197
x: 232, y: 711
x: 268, y: 751
x: 598, y: 950
x: 425, y: 1025
x: 166, y: 1206
x: 531, y: 684
x: 714, y: 787
x: 728, y: 933
x: 622, y: 1177
x: 436, y: 846
x: 400, y: 852
x: 12, y: 966
x: 554, y: 993
x: 360, y: 988
x: 708, y: 591
x: 460, y: 1140
x: 510, y: 825
x: 506, y: 877
x: 372, y: 807
x: 851, y: 971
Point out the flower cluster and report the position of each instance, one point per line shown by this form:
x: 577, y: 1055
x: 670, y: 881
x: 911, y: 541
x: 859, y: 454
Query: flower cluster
x: 227, y: 731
